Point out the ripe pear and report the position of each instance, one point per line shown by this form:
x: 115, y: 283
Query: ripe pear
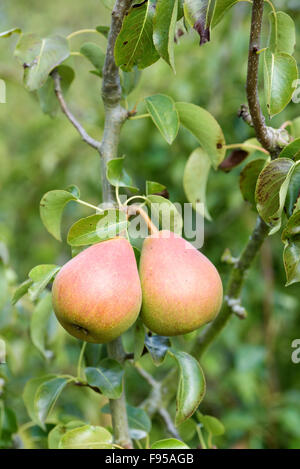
x: 97, y: 295
x: 182, y: 289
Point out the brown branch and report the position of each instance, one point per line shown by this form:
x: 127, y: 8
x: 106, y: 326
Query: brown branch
x: 64, y: 107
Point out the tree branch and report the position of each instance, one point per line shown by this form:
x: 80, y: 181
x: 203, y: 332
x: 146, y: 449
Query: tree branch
x: 59, y: 94
x: 115, y: 116
x: 269, y: 138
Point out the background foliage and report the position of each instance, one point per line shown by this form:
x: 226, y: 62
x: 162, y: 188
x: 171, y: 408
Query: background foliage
x: 254, y: 388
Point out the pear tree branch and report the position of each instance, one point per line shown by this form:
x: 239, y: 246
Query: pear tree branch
x: 65, y: 109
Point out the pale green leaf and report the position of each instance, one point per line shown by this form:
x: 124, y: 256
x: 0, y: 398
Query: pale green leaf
x: 164, y: 115
x: 87, y: 437
x: 51, y: 209
x: 169, y: 443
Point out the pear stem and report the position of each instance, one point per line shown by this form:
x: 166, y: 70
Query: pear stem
x: 137, y: 210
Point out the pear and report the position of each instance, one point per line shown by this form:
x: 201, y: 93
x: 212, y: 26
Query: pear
x: 97, y: 295
x: 182, y: 289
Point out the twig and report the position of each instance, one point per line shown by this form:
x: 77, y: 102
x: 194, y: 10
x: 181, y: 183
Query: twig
x: 265, y: 135
x: 59, y: 94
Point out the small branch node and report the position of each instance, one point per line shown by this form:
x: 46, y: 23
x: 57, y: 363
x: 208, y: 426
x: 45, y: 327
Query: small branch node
x: 234, y: 304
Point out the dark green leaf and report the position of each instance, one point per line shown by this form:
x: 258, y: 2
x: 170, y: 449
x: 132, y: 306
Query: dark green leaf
x: 29, y: 393
x: 248, y: 179
x: 158, y: 347
x: 291, y: 259
x: 195, y: 178
x: 164, y: 115
x: 154, y: 187
x: 94, y: 54
x: 292, y: 150
x: 116, y: 174
x: 205, y: 128
x: 96, y: 228
x: 164, y: 24
x: 139, y: 339
x: 107, y: 377
x: 74, y: 190
x: 139, y: 423
x: 134, y: 44
x: 46, y: 396
x: 104, y: 30
x: 191, y: 386
x: 271, y: 190
x: 129, y: 81
x: 51, y: 209
x: 293, y: 192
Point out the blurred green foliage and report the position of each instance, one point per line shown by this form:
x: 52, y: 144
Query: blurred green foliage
x: 253, y: 386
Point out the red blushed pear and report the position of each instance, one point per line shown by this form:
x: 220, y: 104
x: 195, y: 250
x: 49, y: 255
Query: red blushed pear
x: 97, y: 295
x: 182, y: 289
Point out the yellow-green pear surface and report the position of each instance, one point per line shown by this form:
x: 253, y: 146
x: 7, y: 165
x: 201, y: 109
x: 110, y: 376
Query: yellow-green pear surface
x: 182, y: 289
x: 97, y: 295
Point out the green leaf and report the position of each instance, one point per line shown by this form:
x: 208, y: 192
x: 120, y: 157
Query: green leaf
x: 21, y: 291
x: 205, y: 128
x: 295, y: 127
x: 41, y: 275
x: 282, y: 33
x: 221, y: 7
x: 293, y: 191
x: 158, y: 347
x: 291, y: 259
x: 154, y: 187
x: 46, y: 94
x: 169, y: 443
x: 129, y: 81
x: 280, y: 74
x: 46, y: 396
x: 212, y: 425
x: 59, y: 431
x: 117, y: 176
x: 97, y: 228
x: 10, y: 32
x: 191, y: 386
x: 195, y: 177
x: 38, y: 324
x: 104, y: 30
x: 87, y: 437
x: 164, y: 115
x: 73, y: 190
x: 198, y: 15
x: 248, y: 179
x: 108, y: 377
x: 139, y: 339
x: 271, y: 190
x: 292, y: 228
x: 165, y: 213
x: 292, y: 150
x: 51, y: 209
x: 164, y: 24
x: 139, y: 423
x: 134, y: 44
x: 40, y: 57
x: 29, y: 393
x: 94, y: 54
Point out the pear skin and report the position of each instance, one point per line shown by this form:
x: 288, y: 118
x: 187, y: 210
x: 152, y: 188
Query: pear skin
x: 97, y: 295
x: 182, y: 289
